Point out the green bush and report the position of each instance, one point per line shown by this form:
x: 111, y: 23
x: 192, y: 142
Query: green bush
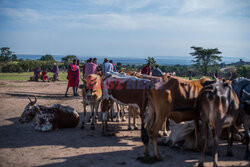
x: 243, y: 71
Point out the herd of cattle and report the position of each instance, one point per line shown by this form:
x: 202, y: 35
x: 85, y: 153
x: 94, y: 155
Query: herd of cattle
x: 217, y: 104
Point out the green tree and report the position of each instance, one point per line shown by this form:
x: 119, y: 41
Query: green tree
x: 152, y: 61
x: 5, y: 54
x: 13, y: 57
x: 205, y: 59
x: 119, y: 66
x: 47, y: 57
x: 243, y: 71
x: 68, y: 58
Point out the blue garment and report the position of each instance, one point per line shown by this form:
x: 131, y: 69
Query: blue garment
x: 107, y: 67
x: 157, y: 72
x: 114, y: 68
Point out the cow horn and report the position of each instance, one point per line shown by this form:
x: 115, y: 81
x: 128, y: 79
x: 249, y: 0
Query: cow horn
x: 30, y: 99
x: 247, y: 93
x: 33, y: 102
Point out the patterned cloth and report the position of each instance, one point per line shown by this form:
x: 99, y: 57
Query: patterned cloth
x: 90, y: 68
x: 72, y: 75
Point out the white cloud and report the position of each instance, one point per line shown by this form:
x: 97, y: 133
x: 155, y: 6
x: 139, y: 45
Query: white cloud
x: 29, y: 15
x: 164, y: 25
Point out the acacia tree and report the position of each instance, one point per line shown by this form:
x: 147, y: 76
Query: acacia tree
x: 152, y: 61
x: 205, y: 59
x: 68, y: 58
x: 5, y: 54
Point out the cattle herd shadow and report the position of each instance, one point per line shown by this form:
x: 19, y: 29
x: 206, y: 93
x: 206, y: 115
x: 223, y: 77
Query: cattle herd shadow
x: 24, y: 135
x: 18, y: 136
x: 49, y: 96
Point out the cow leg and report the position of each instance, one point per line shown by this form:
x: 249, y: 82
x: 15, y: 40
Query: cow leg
x: 204, y: 133
x: 123, y: 114
x: 230, y: 141
x: 157, y: 125
x: 217, y: 132
x: 96, y: 111
x: 134, y: 122
x: 129, y: 120
x: 196, y: 128
x: 104, y: 122
x: 144, y: 138
x: 84, y: 115
x: 164, y: 128
x: 93, y: 117
x: 118, y: 116
x: 245, y: 124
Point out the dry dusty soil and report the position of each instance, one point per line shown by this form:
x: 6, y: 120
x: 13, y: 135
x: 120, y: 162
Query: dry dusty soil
x: 21, y: 145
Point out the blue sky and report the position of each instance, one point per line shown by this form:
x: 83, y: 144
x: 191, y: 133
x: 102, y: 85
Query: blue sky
x: 125, y: 28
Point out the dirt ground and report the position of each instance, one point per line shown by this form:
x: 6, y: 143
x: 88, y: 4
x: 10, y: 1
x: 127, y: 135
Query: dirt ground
x: 21, y: 145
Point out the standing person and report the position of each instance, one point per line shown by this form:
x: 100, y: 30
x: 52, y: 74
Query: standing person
x: 146, y: 69
x: 95, y: 60
x: 72, y: 77
x: 37, y: 73
x: 78, y: 77
x: 55, y: 70
x: 157, y: 71
x: 89, y: 68
x: 114, y: 66
x: 106, y: 67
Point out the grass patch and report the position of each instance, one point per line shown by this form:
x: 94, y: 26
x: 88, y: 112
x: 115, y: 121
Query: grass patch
x: 25, y: 76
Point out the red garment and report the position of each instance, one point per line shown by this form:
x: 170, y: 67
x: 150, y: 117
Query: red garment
x: 72, y: 75
x: 44, y: 75
x: 146, y: 70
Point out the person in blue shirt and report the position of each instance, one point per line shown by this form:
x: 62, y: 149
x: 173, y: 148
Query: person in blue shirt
x: 106, y: 67
x: 157, y: 71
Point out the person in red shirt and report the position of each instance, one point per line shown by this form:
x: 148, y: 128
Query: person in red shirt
x: 146, y: 69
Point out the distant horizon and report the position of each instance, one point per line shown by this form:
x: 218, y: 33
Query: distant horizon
x: 164, y: 60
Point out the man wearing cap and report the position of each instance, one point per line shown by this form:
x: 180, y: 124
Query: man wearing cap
x: 106, y: 67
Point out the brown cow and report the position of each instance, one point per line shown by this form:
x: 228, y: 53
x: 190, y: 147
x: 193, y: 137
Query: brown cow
x: 170, y: 95
x: 128, y: 90
x: 92, y: 94
x: 49, y: 118
x: 219, y: 107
